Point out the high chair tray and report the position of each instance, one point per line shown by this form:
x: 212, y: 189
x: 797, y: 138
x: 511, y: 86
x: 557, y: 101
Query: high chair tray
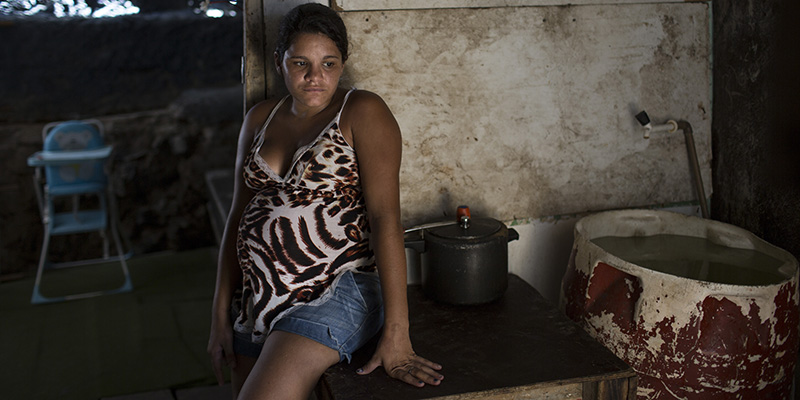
x: 44, y: 158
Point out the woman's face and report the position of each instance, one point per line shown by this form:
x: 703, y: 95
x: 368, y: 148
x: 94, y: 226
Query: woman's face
x: 311, y: 68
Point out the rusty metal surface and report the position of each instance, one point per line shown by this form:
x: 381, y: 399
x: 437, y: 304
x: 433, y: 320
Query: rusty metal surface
x: 520, y: 341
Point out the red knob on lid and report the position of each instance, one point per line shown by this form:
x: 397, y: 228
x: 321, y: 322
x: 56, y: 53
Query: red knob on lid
x: 462, y: 211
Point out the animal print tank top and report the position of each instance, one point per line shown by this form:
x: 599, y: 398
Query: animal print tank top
x: 299, y: 232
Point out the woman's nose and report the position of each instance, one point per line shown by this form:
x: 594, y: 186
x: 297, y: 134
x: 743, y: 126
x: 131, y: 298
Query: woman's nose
x: 314, y: 72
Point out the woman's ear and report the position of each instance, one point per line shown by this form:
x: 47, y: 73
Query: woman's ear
x: 278, y: 63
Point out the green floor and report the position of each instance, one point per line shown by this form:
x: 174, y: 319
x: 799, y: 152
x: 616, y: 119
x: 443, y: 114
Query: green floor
x: 151, y: 339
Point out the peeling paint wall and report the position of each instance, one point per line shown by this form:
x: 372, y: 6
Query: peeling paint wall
x: 526, y: 112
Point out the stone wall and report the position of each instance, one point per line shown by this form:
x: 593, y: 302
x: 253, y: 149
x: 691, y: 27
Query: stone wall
x: 167, y: 88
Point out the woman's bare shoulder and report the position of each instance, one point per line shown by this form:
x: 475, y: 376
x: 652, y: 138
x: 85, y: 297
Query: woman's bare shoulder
x: 257, y: 116
x: 253, y: 122
x: 365, y: 98
x: 261, y: 110
x: 363, y: 103
x: 366, y: 114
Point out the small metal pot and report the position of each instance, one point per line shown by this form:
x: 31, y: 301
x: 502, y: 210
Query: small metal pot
x: 464, y: 262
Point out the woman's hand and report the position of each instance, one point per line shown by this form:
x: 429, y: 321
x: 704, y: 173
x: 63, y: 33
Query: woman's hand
x: 395, y: 354
x: 220, y: 347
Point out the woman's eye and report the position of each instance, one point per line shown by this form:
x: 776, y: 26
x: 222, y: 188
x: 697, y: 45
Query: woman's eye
x: 329, y: 64
x: 300, y: 63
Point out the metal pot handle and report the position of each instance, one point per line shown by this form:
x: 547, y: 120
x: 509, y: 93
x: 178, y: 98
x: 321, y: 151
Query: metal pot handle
x: 417, y: 245
x: 512, y: 234
x: 415, y: 242
x: 430, y: 225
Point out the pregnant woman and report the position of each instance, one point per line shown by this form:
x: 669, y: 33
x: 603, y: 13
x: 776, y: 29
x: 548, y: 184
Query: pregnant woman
x: 312, y: 263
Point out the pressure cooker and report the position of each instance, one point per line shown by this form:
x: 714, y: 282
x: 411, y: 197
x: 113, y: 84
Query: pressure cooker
x: 464, y: 261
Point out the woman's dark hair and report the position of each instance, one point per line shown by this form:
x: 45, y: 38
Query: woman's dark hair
x: 311, y: 18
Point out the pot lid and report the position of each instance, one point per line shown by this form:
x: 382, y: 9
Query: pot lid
x: 478, y: 228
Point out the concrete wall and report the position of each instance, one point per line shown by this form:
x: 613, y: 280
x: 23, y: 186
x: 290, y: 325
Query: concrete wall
x: 364, y: 5
x: 528, y: 111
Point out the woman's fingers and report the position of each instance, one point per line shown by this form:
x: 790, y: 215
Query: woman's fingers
x: 369, y: 367
x: 405, y: 374
x: 220, y: 347
x: 429, y: 363
x: 401, y: 363
x: 418, y: 372
x: 428, y: 370
x: 216, y: 362
x: 427, y: 375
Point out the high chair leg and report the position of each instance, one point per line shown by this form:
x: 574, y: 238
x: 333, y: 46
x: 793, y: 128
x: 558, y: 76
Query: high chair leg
x: 127, y: 285
x: 36, y: 297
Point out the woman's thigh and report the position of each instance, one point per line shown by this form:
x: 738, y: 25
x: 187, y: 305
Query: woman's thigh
x: 244, y: 365
x: 288, y: 368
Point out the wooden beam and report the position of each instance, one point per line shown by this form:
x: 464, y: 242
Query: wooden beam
x: 610, y: 389
x: 254, y: 74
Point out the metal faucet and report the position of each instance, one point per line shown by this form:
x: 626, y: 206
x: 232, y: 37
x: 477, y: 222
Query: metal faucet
x: 669, y: 127
x: 672, y: 126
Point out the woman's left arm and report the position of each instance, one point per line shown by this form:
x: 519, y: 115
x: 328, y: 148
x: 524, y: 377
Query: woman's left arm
x: 378, y: 145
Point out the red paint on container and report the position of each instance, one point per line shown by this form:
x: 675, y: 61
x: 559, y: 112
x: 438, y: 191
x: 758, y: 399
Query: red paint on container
x: 686, y: 339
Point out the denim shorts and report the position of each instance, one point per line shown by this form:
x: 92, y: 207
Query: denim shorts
x: 351, y: 316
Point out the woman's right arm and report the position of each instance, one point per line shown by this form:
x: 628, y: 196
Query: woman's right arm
x: 229, y: 275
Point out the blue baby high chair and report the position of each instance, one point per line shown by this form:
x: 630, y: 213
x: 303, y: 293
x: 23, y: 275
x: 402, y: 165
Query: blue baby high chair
x: 73, y: 161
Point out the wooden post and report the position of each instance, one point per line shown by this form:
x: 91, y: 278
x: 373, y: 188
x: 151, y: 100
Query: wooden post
x: 610, y: 389
x: 254, y: 74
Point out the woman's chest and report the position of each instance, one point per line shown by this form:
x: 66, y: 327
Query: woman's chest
x: 281, y: 145
x: 326, y: 163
